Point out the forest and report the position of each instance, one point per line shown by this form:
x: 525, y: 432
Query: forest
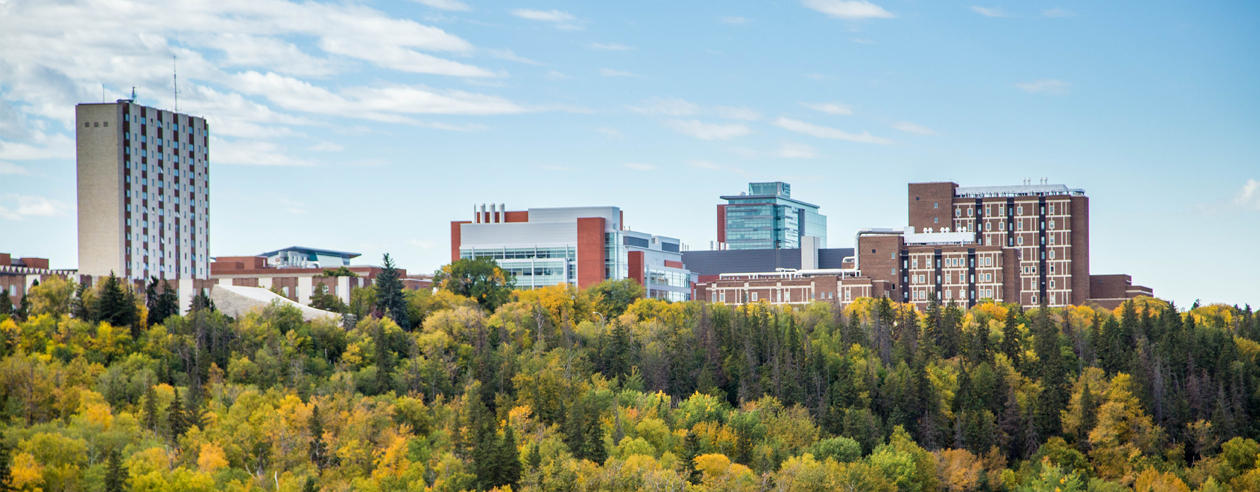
x: 475, y: 385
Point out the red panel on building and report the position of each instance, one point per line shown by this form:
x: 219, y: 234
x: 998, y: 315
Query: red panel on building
x: 721, y: 235
x: 455, y: 238
x: 674, y: 264
x: 590, y: 251
x: 635, y: 262
x: 522, y: 216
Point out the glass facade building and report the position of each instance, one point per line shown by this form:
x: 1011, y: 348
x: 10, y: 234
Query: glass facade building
x: 767, y: 217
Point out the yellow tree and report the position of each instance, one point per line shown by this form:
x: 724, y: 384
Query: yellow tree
x: 1123, y: 432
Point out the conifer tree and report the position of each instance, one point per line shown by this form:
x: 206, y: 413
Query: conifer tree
x: 691, y: 450
x: 79, y: 307
x: 310, y: 486
x: 150, y: 408
x: 535, y: 458
x: 1089, y: 417
x: 509, y: 459
x: 1053, y: 397
x: 151, y: 298
x: 6, y: 303
x: 389, y: 298
x: 318, y: 448
x: 23, y: 309
x: 384, y: 361
x: 1010, y: 339
x: 115, y: 473
x: 6, y: 466
x: 176, y: 420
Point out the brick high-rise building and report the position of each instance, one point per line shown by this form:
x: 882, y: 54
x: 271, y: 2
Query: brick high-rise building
x: 1024, y: 244
x: 143, y: 192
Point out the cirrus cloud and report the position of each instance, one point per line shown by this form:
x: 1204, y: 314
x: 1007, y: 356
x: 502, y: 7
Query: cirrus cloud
x: 849, y: 9
x: 831, y: 133
x: 708, y: 131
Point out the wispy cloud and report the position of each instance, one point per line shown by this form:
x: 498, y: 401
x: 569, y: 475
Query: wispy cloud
x: 796, y: 151
x: 555, y: 75
x: 507, y: 54
x: 610, y: 132
x: 825, y: 132
x: 989, y: 11
x: 13, y: 169
x: 708, y: 131
x: 608, y: 72
x: 559, y: 18
x: 669, y: 106
x: 909, y: 127
x: 744, y: 114
x: 611, y: 47
x: 733, y: 20
x: 1058, y: 13
x: 327, y: 147
x: 20, y: 207
x: 830, y: 108
x: 639, y: 166
x: 1248, y: 198
x: 455, y: 5
x: 849, y: 9
x: 1047, y: 86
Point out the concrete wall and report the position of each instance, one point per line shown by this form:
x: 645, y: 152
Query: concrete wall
x: 100, y: 188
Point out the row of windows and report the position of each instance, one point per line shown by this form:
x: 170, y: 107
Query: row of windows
x: 951, y: 262
x: 998, y: 209
x: 518, y: 253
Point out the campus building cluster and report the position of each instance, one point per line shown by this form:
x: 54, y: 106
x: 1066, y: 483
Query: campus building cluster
x: 144, y: 212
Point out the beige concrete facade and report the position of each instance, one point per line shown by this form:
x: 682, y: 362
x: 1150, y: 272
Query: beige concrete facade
x: 143, y: 192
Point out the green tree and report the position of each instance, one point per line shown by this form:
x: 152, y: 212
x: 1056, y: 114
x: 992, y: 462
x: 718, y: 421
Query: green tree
x: 176, y: 419
x: 691, y: 450
x: 201, y: 301
x: 52, y: 297
x: 480, y: 279
x: 318, y: 449
x: 322, y: 299
x: 389, y: 299
x: 116, y: 305
x: 115, y: 473
x: 1053, y: 397
x: 81, y: 304
x: 612, y: 297
x: 6, y: 303
x: 310, y: 486
x: 150, y: 409
x: 23, y: 310
x: 6, y: 466
x: 1010, y: 338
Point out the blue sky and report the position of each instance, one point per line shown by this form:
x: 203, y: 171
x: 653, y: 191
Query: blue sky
x: 368, y: 126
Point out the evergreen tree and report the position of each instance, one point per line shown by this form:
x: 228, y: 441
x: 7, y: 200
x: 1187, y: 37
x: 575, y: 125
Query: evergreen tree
x: 23, y: 309
x: 151, y: 298
x: 176, y: 419
x: 617, y: 360
x: 1054, y: 394
x: 79, y: 307
x: 310, y: 486
x: 1089, y: 417
x: 389, y: 298
x: 200, y: 301
x: 115, y: 473
x: 691, y: 450
x: 535, y: 458
x: 318, y: 448
x: 6, y: 303
x: 384, y: 361
x: 6, y: 466
x: 509, y: 459
x: 1010, y: 339
x: 150, y: 409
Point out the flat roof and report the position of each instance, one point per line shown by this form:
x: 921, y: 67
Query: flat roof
x: 1016, y: 190
x: 766, y: 197
x: 319, y: 251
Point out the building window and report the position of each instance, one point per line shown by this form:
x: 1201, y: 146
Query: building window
x: 1051, y: 284
x: 1019, y: 210
x: 754, y: 297
x: 935, y: 220
x: 1052, y: 224
x: 1052, y: 209
x: 936, y: 205
x: 958, y: 212
x: 1020, y: 240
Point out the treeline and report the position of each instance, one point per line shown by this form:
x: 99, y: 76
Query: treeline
x: 476, y: 386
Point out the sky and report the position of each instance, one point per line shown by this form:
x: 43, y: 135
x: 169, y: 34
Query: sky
x: 368, y: 126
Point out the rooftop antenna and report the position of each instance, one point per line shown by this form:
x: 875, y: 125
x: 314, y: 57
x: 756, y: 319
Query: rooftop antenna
x: 175, y: 76
x: 133, y: 93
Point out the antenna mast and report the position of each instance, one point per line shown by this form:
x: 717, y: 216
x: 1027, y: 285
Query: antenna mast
x: 175, y: 76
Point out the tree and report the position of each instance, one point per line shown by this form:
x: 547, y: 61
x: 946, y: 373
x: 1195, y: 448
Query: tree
x: 480, y: 279
x: 81, y: 304
x: 150, y: 409
x: 52, y: 297
x: 24, y: 309
x: 116, y: 305
x: 6, y: 467
x: 318, y: 449
x: 162, y: 301
x: 612, y: 297
x: 322, y: 299
x: 389, y: 299
x: 115, y: 473
x: 176, y: 420
x: 691, y: 450
x: 6, y: 303
x: 201, y: 301
x: 310, y: 486
x: 1010, y: 338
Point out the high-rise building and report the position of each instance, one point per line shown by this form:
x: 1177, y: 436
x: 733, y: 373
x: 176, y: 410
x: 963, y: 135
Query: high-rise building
x: 1024, y: 244
x: 767, y: 217
x: 576, y: 245
x: 143, y: 192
